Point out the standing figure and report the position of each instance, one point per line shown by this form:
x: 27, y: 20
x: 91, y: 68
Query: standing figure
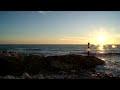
x: 88, y: 49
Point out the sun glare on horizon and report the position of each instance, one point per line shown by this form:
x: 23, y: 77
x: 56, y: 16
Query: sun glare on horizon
x: 101, y: 37
x: 101, y: 40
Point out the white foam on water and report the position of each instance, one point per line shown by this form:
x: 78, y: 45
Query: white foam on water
x: 110, y: 67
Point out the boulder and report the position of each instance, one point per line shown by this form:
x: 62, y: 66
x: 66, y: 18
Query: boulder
x: 48, y: 77
x: 38, y: 76
x: 9, y: 77
x: 26, y: 76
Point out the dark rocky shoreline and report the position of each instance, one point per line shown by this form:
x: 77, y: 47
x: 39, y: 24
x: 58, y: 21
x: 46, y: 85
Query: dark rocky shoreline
x: 62, y: 75
x: 28, y: 66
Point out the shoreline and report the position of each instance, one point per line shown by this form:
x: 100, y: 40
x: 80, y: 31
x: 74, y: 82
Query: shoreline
x: 28, y: 66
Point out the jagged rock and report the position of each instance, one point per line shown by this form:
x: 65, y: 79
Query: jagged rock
x: 58, y: 76
x: 9, y: 77
x: 38, y: 76
x: 26, y: 76
x: 48, y: 77
x: 94, y: 75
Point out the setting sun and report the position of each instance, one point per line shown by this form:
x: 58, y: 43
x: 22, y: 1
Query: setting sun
x: 101, y: 36
x: 101, y: 40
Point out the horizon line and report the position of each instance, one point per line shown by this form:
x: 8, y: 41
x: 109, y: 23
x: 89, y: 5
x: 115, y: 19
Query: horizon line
x: 55, y: 44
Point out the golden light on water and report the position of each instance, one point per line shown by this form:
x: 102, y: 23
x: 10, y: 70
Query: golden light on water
x: 100, y: 38
x: 114, y: 46
x: 101, y: 48
x: 103, y: 40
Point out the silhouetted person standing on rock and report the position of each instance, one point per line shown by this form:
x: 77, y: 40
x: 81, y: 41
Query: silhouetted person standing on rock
x: 88, y: 49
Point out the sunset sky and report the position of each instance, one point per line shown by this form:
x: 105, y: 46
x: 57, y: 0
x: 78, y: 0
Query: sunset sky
x: 59, y: 27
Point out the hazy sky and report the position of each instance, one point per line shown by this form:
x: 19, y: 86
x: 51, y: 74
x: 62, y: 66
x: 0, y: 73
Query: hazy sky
x: 58, y: 27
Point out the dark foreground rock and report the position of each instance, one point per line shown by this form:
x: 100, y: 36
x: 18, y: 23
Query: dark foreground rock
x: 51, y: 67
x: 74, y: 62
x: 83, y: 75
x: 34, y: 64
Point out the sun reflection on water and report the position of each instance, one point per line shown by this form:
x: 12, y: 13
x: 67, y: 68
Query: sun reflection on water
x: 101, y: 49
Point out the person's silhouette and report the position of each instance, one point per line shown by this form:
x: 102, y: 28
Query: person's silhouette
x: 88, y: 49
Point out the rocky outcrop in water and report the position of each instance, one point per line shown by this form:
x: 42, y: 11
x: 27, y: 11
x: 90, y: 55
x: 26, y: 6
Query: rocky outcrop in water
x: 51, y: 67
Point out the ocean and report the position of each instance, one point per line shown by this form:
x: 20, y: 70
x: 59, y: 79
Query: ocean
x: 109, y: 53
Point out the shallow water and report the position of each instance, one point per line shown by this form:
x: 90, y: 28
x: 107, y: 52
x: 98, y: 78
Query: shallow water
x: 112, y: 65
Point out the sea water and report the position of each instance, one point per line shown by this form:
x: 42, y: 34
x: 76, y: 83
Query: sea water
x: 108, y: 53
